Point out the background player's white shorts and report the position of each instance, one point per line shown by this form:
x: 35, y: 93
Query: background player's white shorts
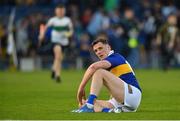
x: 131, y: 100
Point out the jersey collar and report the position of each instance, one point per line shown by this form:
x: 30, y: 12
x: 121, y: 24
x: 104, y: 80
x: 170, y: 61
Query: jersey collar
x: 111, y: 52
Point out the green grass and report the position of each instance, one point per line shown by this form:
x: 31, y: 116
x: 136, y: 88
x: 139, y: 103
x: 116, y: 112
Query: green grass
x: 33, y: 95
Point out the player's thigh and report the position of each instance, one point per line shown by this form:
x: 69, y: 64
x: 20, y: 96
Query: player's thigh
x: 114, y: 84
x: 57, y: 49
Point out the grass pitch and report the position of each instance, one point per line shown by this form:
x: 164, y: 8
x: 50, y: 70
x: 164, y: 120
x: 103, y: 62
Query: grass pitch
x: 34, y: 96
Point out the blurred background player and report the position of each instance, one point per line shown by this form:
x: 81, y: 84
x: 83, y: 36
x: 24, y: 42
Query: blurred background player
x: 62, y: 29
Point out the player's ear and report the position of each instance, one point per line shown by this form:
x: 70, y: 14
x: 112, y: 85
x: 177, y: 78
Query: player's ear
x: 109, y: 47
x: 64, y: 11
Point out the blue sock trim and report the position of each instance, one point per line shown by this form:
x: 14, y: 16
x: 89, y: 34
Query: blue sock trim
x: 91, y: 99
x: 106, y: 110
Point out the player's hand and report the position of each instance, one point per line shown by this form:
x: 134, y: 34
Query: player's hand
x: 67, y: 34
x: 39, y: 43
x: 170, y: 45
x: 41, y: 38
x: 83, y: 102
x: 81, y: 96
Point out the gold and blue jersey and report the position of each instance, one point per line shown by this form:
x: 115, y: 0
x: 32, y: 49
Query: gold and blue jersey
x: 121, y: 68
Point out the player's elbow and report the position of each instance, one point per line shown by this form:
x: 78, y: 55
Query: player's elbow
x: 93, y: 67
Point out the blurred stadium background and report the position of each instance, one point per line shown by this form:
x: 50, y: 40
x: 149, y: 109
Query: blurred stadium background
x: 132, y: 27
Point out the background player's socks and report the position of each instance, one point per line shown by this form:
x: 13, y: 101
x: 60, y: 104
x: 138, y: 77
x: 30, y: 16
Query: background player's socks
x: 58, y: 79
x: 52, y: 74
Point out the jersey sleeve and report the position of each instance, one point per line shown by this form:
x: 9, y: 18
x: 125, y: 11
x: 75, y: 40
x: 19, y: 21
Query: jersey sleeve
x: 70, y: 25
x: 115, y: 60
x: 50, y: 22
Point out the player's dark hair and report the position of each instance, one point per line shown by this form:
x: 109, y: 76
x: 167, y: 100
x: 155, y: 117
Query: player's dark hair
x: 60, y: 6
x: 101, y: 39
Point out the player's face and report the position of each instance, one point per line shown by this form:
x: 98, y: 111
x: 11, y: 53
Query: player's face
x: 101, y: 50
x: 172, y: 20
x: 60, y: 12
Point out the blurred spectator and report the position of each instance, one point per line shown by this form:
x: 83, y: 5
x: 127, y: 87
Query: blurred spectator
x: 131, y: 29
x: 114, y: 17
x: 100, y: 21
x: 117, y: 40
x: 22, y: 40
x: 3, y: 42
x: 177, y: 52
x: 168, y: 8
x: 168, y: 39
x: 4, y: 58
x: 86, y: 17
x: 146, y: 36
x: 110, y: 5
x: 85, y: 46
x: 131, y: 26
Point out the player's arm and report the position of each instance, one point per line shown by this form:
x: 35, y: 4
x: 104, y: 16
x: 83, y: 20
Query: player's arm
x: 159, y: 36
x: 172, y: 38
x: 92, y: 68
x: 87, y: 76
x: 43, y: 29
x: 69, y: 33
